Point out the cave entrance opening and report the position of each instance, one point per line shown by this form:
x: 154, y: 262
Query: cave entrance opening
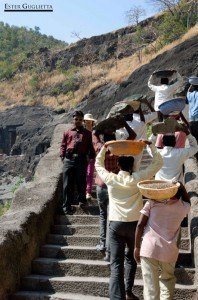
x: 8, y: 136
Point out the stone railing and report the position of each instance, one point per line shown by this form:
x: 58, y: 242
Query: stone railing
x: 191, y: 179
x: 23, y: 229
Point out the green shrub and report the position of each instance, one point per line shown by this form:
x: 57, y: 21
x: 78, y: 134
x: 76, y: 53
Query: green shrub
x: 4, y: 208
x: 148, y: 130
x: 6, y: 72
x: 17, y: 184
x: 171, y: 29
x: 34, y: 82
x: 55, y: 91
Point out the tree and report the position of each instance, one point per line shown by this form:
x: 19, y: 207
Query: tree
x: 178, y: 17
x: 87, y: 57
x: 76, y: 34
x: 170, y: 29
x: 18, y: 42
x: 177, y: 7
x: 135, y: 14
x: 169, y: 5
x: 37, y: 29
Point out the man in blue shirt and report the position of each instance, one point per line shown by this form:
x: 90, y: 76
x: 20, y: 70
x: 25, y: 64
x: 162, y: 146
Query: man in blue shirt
x: 192, y: 100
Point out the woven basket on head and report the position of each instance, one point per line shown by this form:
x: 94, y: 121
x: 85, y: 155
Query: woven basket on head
x: 158, y: 194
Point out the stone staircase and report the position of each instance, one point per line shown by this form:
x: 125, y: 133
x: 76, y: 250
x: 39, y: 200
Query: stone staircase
x: 69, y: 267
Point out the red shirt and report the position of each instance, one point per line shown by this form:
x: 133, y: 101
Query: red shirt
x: 77, y: 140
x: 110, y: 160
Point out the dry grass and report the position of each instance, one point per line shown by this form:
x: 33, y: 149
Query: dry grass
x: 18, y: 90
x: 51, y: 79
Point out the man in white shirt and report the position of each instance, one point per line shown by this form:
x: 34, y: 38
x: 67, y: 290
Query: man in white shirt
x: 125, y: 203
x: 138, y: 122
x: 174, y: 158
x: 165, y: 91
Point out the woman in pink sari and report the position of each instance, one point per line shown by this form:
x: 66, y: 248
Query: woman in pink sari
x: 89, y: 121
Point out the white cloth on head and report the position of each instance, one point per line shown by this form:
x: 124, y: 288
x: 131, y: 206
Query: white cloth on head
x: 164, y: 92
x: 140, y: 129
x: 137, y: 125
x: 173, y: 160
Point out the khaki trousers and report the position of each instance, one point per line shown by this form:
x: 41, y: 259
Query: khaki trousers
x: 158, y: 287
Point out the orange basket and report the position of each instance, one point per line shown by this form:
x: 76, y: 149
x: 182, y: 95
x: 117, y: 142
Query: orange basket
x: 125, y: 147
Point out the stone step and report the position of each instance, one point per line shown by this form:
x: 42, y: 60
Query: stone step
x: 90, y: 202
x: 69, y: 240
x: 184, y: 244
x: 96, y: 268
x: 76, y: 229
x: 70, y: 267
x: 81, y: 219
x: 88, y: 210
x: 92, y: 229
x: 93, y: 200
x: 92, y: 240
x: 87, y: 252
x: 185, y: 258
x: 57, y: 296
x: 73, y: 252
x: 92, y: 286
x: 184, y: 232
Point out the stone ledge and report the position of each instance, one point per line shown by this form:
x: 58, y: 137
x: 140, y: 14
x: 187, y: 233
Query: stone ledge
x: 191, y: 180
x: 23, y: 229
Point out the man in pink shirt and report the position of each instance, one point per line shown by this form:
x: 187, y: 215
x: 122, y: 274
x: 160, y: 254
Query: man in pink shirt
x: 180, y: 137
x: 159, y: 224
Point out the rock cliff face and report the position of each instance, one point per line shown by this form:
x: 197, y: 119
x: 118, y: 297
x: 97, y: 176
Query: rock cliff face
x: 182, y: 57
x: 25, y: 135
x: 116, y: 44
x: 28, y: 130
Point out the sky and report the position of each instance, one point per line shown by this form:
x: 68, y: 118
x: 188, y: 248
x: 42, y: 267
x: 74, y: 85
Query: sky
x: 87, y: 17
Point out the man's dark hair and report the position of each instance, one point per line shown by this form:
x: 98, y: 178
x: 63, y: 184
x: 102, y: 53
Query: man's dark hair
x: 78, y: 113
x: 128, y: 117
x: 109, y: 137
x: 169, y: 140
x: 164, y: 81
x: 195, y: 87
x: 126, y: 163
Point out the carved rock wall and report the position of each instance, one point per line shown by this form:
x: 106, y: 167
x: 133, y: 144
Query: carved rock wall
x: 23, y: 229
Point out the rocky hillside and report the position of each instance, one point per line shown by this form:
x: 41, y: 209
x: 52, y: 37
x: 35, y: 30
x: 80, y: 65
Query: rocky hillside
x: 28, y: 130
x: 61, y: 78
x: 182, y: 57
x: 116, y: 44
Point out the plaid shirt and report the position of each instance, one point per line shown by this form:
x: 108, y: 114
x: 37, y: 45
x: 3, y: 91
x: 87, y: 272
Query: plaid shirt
x: 110, y: 160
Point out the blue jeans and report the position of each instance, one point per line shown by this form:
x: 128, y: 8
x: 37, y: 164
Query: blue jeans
x: 103, y: 202
x: 121, y: 234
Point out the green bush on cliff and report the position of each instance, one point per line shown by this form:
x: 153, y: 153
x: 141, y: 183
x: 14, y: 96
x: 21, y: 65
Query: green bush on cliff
x: 16, y: 42
x: 4, y: 208
x: 170, y: 29
x: 34, y: 82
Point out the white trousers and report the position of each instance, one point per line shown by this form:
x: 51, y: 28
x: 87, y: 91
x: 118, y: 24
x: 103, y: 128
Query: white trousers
x: 158, y: 286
